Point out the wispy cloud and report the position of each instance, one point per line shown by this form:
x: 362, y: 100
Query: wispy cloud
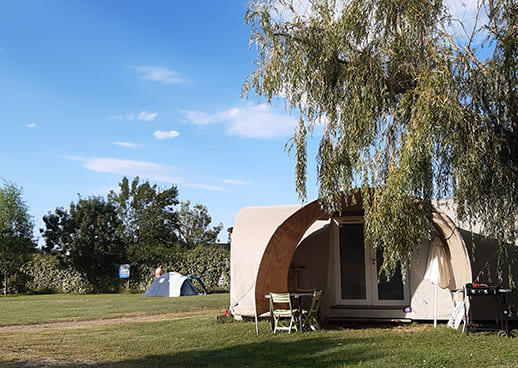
x: 31, y: 125
x: 235, y: 182
x: 128, y: 144
x: 199, y: 117
x: 142, y: 116
x: 159, y: 74
x: 251, y: 121
x: 203, y: 186
x: 143, y: 169
x: 464, y: 15
x: 146, y: 116
x: 162, y: 134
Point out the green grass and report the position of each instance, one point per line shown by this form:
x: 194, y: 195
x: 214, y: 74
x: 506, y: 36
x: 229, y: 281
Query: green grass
x: 201, y: 341
x: 69, y: 307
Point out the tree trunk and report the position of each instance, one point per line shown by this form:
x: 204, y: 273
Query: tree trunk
x: 5, y: 283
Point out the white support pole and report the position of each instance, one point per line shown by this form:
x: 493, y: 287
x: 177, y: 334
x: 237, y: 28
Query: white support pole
x: 435, y: 306
x: 255, y: 312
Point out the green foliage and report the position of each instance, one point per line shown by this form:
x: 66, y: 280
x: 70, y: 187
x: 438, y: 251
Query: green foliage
x: 46, y: 274
x: 96, y: 248
x: 138, y: 226
x: 149, y: 222
x: 210, y: 264
x: 59, y: 230
x: 16, y: 226
x: 407, y: 109
x: 194, y: 225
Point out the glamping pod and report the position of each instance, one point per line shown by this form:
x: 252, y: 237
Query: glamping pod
x: 280, y: 248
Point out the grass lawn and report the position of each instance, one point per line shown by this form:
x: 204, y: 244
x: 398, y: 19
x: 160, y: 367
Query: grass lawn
x: 196, y: 339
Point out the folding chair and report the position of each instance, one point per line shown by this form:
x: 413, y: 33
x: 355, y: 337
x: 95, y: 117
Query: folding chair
x: 310, y: 316
x: 278, y: 303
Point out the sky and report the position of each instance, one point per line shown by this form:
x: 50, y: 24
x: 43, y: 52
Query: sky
x: 91, y: 91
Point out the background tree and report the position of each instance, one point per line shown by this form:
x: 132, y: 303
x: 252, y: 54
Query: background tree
x: 96, y: 248
x: 16, y: 244
x: 149, y: 222
x: 59, y: 230
x: 409, y: 110
x: 194, y: 225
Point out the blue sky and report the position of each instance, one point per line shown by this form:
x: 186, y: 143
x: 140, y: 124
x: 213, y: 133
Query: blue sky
x: 91, y: 91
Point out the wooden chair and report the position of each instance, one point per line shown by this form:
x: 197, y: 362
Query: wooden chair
x: 278, y: 304
x: 310, y: 316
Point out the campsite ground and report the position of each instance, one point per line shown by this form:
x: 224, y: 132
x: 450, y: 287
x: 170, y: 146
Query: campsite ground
x: 131, y: 331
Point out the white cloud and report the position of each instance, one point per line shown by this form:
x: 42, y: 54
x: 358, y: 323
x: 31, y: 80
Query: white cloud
x: 143, y: 169
x: 199, y: 117
x: 31, y: 125
x: 142, y: 116
x: 464, y: 15
x: 159, y: 74
x: 162, y: 134
x: 251, y: 121
x: 235, y: 182
x: 258, y: 122
x: 146, y: 116
x: 203, y: 186
x: 127, y: 144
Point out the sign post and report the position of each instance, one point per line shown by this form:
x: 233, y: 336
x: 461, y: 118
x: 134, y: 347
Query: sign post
x: 124, y: 273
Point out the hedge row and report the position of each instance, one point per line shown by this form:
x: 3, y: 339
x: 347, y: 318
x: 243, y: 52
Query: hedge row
x: 46, y: 274
x: 210, y: 264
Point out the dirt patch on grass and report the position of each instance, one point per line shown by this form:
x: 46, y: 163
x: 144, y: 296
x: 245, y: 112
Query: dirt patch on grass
x: 109, y: 321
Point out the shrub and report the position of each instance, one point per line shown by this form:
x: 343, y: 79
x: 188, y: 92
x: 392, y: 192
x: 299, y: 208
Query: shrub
x: 45, y: 274
x: 210, y: 264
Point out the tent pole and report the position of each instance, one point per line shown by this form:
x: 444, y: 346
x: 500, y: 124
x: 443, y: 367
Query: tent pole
x: 255, y: 312
x: 435, y: 306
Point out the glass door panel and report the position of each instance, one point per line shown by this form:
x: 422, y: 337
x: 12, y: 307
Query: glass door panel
x: 392, y: 289
x: 359, y: 268
x: 352, y: 262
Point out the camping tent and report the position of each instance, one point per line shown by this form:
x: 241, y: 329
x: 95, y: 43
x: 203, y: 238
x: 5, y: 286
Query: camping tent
x: 173, y: 284
x: 280, y: 248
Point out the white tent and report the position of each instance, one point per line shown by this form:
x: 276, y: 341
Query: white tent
x: 173, y: 284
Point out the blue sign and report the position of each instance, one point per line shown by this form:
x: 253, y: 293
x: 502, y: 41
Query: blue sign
x: 124, y: 271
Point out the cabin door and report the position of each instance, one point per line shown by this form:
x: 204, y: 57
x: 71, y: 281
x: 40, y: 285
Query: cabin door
x: 359, y: 267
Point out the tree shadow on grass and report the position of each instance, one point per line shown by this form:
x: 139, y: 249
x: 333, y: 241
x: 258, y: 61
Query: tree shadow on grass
x: 307, y: 353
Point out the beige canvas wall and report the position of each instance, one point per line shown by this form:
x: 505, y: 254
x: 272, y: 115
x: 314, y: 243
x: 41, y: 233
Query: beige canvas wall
x: 252, y: 230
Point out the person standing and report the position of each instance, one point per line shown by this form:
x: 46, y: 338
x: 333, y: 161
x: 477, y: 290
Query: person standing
x: 159, y: 272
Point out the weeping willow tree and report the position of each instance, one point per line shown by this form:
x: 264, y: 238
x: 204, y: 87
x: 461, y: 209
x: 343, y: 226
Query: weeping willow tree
x: 412, y: 105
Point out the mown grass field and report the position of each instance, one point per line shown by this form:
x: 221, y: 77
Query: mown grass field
x: 186, y: 334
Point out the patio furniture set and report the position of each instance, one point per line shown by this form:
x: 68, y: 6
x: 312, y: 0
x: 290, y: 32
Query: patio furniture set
x: 294, y: 310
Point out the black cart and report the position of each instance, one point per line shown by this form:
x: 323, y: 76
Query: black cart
x: 474, y: 291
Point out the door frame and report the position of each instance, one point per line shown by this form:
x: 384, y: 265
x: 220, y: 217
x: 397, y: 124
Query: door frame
x: 371, y: 277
